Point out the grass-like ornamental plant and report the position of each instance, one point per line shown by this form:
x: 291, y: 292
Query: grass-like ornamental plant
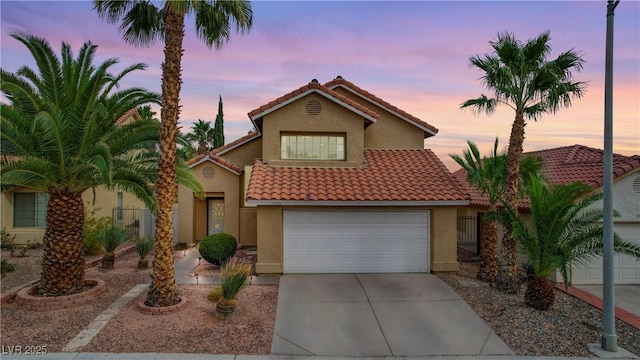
x: 217, y: 248
x: 111, y: 238
x: 143, y: 247
x: 215, y: 294
x: 234, y: 276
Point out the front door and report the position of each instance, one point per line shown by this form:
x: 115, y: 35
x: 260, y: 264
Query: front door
x: 215, y: 216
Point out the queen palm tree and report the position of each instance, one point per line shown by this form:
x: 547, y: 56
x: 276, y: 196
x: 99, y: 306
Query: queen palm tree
x: 60, y: 137
x: 488, y: 174
x: 143, y: 22
x: 203, y: 135
x: 564, y: 229
x: 521, y: 76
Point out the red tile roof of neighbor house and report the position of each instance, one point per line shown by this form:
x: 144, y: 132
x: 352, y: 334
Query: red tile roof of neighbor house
x: 232, y: 145
x: 131, y: 113
x: 313, y: 86
x: 565, y: 165
x: 339, y: 80
x: 386, y: 175
x: 218, y: 160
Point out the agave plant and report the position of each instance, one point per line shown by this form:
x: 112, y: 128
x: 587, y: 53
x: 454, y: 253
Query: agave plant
x: 111, y: 238
x: 564, y: 229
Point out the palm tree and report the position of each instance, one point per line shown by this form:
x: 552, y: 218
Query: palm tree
x: 143, y: 22
x: 564, y: 228
x: 488, y: 174
x: 521, y: 76
x: 203, y: 135
x: 60, y: 136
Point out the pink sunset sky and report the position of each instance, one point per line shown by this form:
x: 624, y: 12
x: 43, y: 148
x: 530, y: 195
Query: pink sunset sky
x: 414, y: 55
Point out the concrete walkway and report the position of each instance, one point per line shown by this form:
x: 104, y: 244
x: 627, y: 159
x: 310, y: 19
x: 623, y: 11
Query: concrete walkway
x: 377, y: 315
x: 627, y: 296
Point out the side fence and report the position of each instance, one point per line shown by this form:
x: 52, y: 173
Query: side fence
x: 140, y: 223
x: 469, y: 230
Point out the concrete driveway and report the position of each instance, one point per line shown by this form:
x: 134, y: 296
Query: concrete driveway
x: 377, y: 315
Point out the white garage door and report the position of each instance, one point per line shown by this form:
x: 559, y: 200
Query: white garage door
x: 356, y: 241
x: 626, y: 269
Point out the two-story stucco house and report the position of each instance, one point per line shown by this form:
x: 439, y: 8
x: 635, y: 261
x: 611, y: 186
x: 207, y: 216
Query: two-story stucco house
x: 332, y: 180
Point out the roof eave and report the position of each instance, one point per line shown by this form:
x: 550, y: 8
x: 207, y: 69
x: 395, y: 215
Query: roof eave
x: 252, y: 202
x: 208, y: 159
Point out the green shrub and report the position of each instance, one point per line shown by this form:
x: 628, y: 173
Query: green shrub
x: 143, y: 247
x: 217, y: 248
x: 6, y: 267
x: 233, y: 277
x: 6, y: 239
x: 215, y: 294
x: 112, y: 237
x: 92, y: 227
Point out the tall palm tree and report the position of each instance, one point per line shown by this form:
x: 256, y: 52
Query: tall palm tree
x: 143, y: 22
x: 60, y: 136
x: 488, y: 174
x: 203, y: 135
x: 521, y: 76
x: 564, y: 228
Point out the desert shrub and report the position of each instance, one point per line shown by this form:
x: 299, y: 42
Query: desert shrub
x: 112, y: 237
x: 233, y: 277
x: 143, y: 247
x: 92, y: 227
x: 217, y: 248
x: 6, y: 267
x: 6, y: 239
x: 215, y: 294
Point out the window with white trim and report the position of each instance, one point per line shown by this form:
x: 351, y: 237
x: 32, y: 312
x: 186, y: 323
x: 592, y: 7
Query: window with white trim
x: 30, y: 209
x: 312, y: 147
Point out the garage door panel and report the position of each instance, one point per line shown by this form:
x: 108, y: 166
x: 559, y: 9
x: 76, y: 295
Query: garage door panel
x: 356, y: 241
x: 626, y: 268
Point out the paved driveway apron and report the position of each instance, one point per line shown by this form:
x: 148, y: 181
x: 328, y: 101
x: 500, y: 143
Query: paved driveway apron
x: 377, y: 315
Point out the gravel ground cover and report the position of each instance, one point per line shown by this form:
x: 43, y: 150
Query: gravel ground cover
x: 564, y: 330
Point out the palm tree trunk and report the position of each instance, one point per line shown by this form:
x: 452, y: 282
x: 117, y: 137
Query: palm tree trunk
x: 488, y: 251
x: 163, y: 290
x: 508, y: 281
x: 63, y: 259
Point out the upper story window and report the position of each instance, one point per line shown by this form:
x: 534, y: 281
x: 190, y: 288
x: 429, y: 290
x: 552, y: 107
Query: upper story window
x: 312, y: 147
x: 30, y: 209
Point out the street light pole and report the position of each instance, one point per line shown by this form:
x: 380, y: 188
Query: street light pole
x: 609, y: 337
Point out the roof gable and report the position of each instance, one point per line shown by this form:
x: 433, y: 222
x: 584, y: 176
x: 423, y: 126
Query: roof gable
x: 258, y: 114
x: 210, y: 157
x: 236, y: 143
x: 429, y: 130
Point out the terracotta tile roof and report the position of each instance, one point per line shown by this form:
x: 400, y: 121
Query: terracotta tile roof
x: 339, y: 81
x: 232, y: 145
x: 313, y: 86
x: 582, y: 163
x: 565, y: 165
x: 218, y: 160
x: 131, y: 113
x: 386, y: 175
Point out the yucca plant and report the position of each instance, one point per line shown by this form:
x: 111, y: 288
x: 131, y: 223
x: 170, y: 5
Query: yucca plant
x: 564, y: 229
x: 234, y: 277
x: 111, y: 238
x: 143, y: 247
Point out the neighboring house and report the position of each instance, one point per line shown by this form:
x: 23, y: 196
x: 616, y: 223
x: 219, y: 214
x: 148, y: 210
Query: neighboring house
x: 568, y: 164
x: 24, y: 210
x: 333, y: 179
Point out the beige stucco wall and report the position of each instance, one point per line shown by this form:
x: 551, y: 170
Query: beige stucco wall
x: 103, y: 202
x: 192, y: 218
x: 389, y: 132
x: 625, y: 199
x: 246, y: 154
x: 270, y: 246
x: 293, y: 118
